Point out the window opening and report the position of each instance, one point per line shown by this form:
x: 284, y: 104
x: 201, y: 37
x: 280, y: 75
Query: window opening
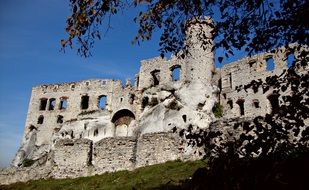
x: 176, y: 73
x: 270, y: 65
x: 230, y: 103
x: 256, y: 103
x: 274, y: 103
x: 95, y: 132
x: 52, y: 103
x: 41, y: 119
x: 290, y: 60
x: 102, y: 102
x: 251, y: 63
x: 63, y: 104
x: 241, y: 102
x: 156, y: 77
x: 59, y: 119
x: 231, y: 80
x: 85, y: 102
x: 43, y: 104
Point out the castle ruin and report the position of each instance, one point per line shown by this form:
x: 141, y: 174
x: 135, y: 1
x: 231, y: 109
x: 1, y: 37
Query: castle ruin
x: 100, y: 125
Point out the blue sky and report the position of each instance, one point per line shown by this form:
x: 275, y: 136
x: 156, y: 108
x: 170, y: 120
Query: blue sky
x: 30, y: 33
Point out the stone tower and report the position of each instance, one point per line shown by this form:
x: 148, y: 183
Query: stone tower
x: 199, y: 43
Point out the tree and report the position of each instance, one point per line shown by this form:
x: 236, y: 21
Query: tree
x: 257, y: 25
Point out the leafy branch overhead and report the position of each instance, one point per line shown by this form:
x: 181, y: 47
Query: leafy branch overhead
x: 257, y: 25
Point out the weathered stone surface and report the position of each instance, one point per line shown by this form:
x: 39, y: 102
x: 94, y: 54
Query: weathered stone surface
x: 99, y: 125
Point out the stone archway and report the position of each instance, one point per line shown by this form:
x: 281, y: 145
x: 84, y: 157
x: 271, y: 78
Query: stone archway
x: 121, y: 121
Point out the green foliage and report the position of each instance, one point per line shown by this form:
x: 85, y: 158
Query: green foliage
x: 28, y: 162
x: 150, y: 177
x: 217, y: 110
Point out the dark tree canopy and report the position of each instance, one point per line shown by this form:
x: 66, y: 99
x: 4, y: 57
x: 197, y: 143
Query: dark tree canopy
x: 257, y: 25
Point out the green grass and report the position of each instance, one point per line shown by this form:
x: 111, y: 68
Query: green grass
x: 150, y: 177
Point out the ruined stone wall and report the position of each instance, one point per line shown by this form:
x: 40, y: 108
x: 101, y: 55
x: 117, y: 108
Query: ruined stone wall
x: 71, y: 157
x: 240, y: 102
x: 162, y: 69
x: 59, y: 111
x: 196, y: 64
x: 113, y: 154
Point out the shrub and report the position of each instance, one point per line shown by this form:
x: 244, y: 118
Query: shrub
x: 217, y: 110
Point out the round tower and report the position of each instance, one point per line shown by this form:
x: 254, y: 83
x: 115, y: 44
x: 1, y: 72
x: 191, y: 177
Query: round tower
x: 199, y: 43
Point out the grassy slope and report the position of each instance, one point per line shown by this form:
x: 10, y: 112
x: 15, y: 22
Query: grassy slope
x: 150, y: 177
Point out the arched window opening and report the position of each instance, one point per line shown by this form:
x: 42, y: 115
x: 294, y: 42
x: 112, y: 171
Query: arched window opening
x: 85, y: 102
x: 41, y: 119
x: 43, y: 103
x: 176, y: 71
x: 155, y: 77
x: 230, y: 103
x: 63, y: 104
x: 102, y: 102
x: 290, y: 60
x: 274, y: 103
x: 241, y: 102
x: 59, y: 119
x: 256, y: 103
x: 52, y: 103
x: 123, y: 117
x: 270, y: 65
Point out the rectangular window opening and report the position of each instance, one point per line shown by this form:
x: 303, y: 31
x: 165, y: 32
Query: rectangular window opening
x: 85, y: 102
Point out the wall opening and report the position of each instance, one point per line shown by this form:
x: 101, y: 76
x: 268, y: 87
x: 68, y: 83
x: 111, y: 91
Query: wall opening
x: 52, y: 103
x: 251, y: 63
x: 95, y: 132
x: 230, y: 103
x: 290, y: 60
x: 41, y: 119
x: 123, y: 117
x: 241, y: 103
x: 63, y: 104
x: 230, y: 76
x: 270, y: 65
x: 256, y: 103
x: 59, y: 119
x: 84, y: 102
x: 43, y: 103
x: 274, y: 103
x: 132, y: 97
x: 102, y: 102
x: 176, y: 71
x: 155, y: 77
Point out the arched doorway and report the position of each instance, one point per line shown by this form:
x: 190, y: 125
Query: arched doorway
x: 121, y: 121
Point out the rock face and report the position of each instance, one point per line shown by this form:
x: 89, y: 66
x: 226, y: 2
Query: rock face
x: 96, y: 126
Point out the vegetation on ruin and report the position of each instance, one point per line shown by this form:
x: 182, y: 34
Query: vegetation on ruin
x: 217, y: 110
x: 171, y: 173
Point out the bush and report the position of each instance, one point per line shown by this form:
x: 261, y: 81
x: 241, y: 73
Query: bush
x: 217, y: 110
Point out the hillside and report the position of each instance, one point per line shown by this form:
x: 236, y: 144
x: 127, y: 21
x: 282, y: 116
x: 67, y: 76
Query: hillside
x: 150, y: 177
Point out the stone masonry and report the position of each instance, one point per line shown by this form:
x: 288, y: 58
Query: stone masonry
x: 99, y: 125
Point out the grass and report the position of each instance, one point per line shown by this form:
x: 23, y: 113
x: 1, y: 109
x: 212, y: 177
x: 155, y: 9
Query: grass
x: 150, y: 177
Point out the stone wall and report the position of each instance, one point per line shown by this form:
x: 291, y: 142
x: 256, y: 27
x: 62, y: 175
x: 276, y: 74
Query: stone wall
x: 112, y: 154
x: 71, y: 157
x: 158, y: 148
x: 235, y: 76
x: 76, y: 158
